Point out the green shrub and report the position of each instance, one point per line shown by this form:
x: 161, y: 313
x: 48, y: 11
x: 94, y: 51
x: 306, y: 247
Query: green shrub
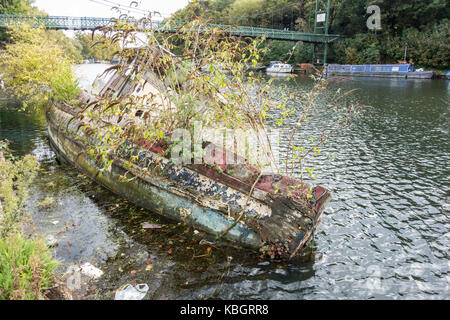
x: 371, y: 55
x: 16, y: 176
x: 351, y: 56
x: 26, y: 268
x: 36, y: 67
x: 66, y: 87
x: 429, y: 47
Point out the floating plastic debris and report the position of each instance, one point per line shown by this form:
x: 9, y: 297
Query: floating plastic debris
x: 147, y: 225
x: 51, y: 241
x: 205, y: 242
x: 130, y: 292
x: 91, y: 271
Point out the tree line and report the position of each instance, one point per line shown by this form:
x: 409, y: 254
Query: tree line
x: 421, y: 25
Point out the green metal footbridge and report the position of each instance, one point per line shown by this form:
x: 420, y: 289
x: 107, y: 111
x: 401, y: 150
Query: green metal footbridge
x: 320, y: 38
x: 90, y: 23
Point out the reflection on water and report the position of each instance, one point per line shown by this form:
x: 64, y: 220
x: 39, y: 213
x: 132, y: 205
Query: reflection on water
x: 384, y: 235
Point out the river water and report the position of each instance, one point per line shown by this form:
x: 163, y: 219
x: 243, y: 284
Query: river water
x: 385, y: 235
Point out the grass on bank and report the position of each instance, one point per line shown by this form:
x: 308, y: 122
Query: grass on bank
x: 26, y: 265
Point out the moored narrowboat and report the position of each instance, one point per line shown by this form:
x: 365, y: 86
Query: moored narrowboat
x: 405, y: 71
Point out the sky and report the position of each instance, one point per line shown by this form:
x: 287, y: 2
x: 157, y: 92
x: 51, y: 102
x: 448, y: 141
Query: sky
x: 102, y: 8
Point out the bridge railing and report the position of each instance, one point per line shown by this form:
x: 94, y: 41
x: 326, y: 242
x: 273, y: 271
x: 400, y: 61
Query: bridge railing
x: 276, y: 33
x: 259, y: 32
x: 54, y: 22
x: 89, y: 23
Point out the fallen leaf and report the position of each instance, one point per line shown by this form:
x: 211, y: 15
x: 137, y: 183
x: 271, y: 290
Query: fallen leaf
x: 133, y: 271
x: 170, y: 251
x: 208, y: 250
x: 149, y: 267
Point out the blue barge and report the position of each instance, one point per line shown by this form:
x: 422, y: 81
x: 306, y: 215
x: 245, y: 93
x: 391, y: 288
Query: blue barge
x: 405, y: 71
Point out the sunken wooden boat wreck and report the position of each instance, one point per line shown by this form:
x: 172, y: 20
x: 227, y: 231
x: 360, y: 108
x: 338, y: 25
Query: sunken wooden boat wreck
x: 265, y: 212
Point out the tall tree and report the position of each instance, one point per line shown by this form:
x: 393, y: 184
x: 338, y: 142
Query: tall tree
x: 16, y: 7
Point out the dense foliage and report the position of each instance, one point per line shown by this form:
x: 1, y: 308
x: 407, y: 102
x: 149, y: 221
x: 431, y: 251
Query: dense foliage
x: 36, y: 67
x: 26, y: 268
x: 15, y: 177
x: 195, y: 82
x: 16, y: 7
x: 422, y: 25
x: 26, y: 265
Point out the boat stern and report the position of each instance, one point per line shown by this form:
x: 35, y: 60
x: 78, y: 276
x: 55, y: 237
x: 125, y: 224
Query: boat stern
x: 292, y: 225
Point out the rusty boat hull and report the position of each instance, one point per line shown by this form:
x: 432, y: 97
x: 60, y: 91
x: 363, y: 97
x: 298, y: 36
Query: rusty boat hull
x: 190, y: 195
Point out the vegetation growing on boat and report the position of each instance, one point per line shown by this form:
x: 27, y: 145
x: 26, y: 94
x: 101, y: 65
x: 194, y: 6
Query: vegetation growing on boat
x: 202, y: 76
x: 180, y: 95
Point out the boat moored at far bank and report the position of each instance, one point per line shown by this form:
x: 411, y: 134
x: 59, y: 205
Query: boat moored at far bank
x: 279, y: 67
x: 405, y: 71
